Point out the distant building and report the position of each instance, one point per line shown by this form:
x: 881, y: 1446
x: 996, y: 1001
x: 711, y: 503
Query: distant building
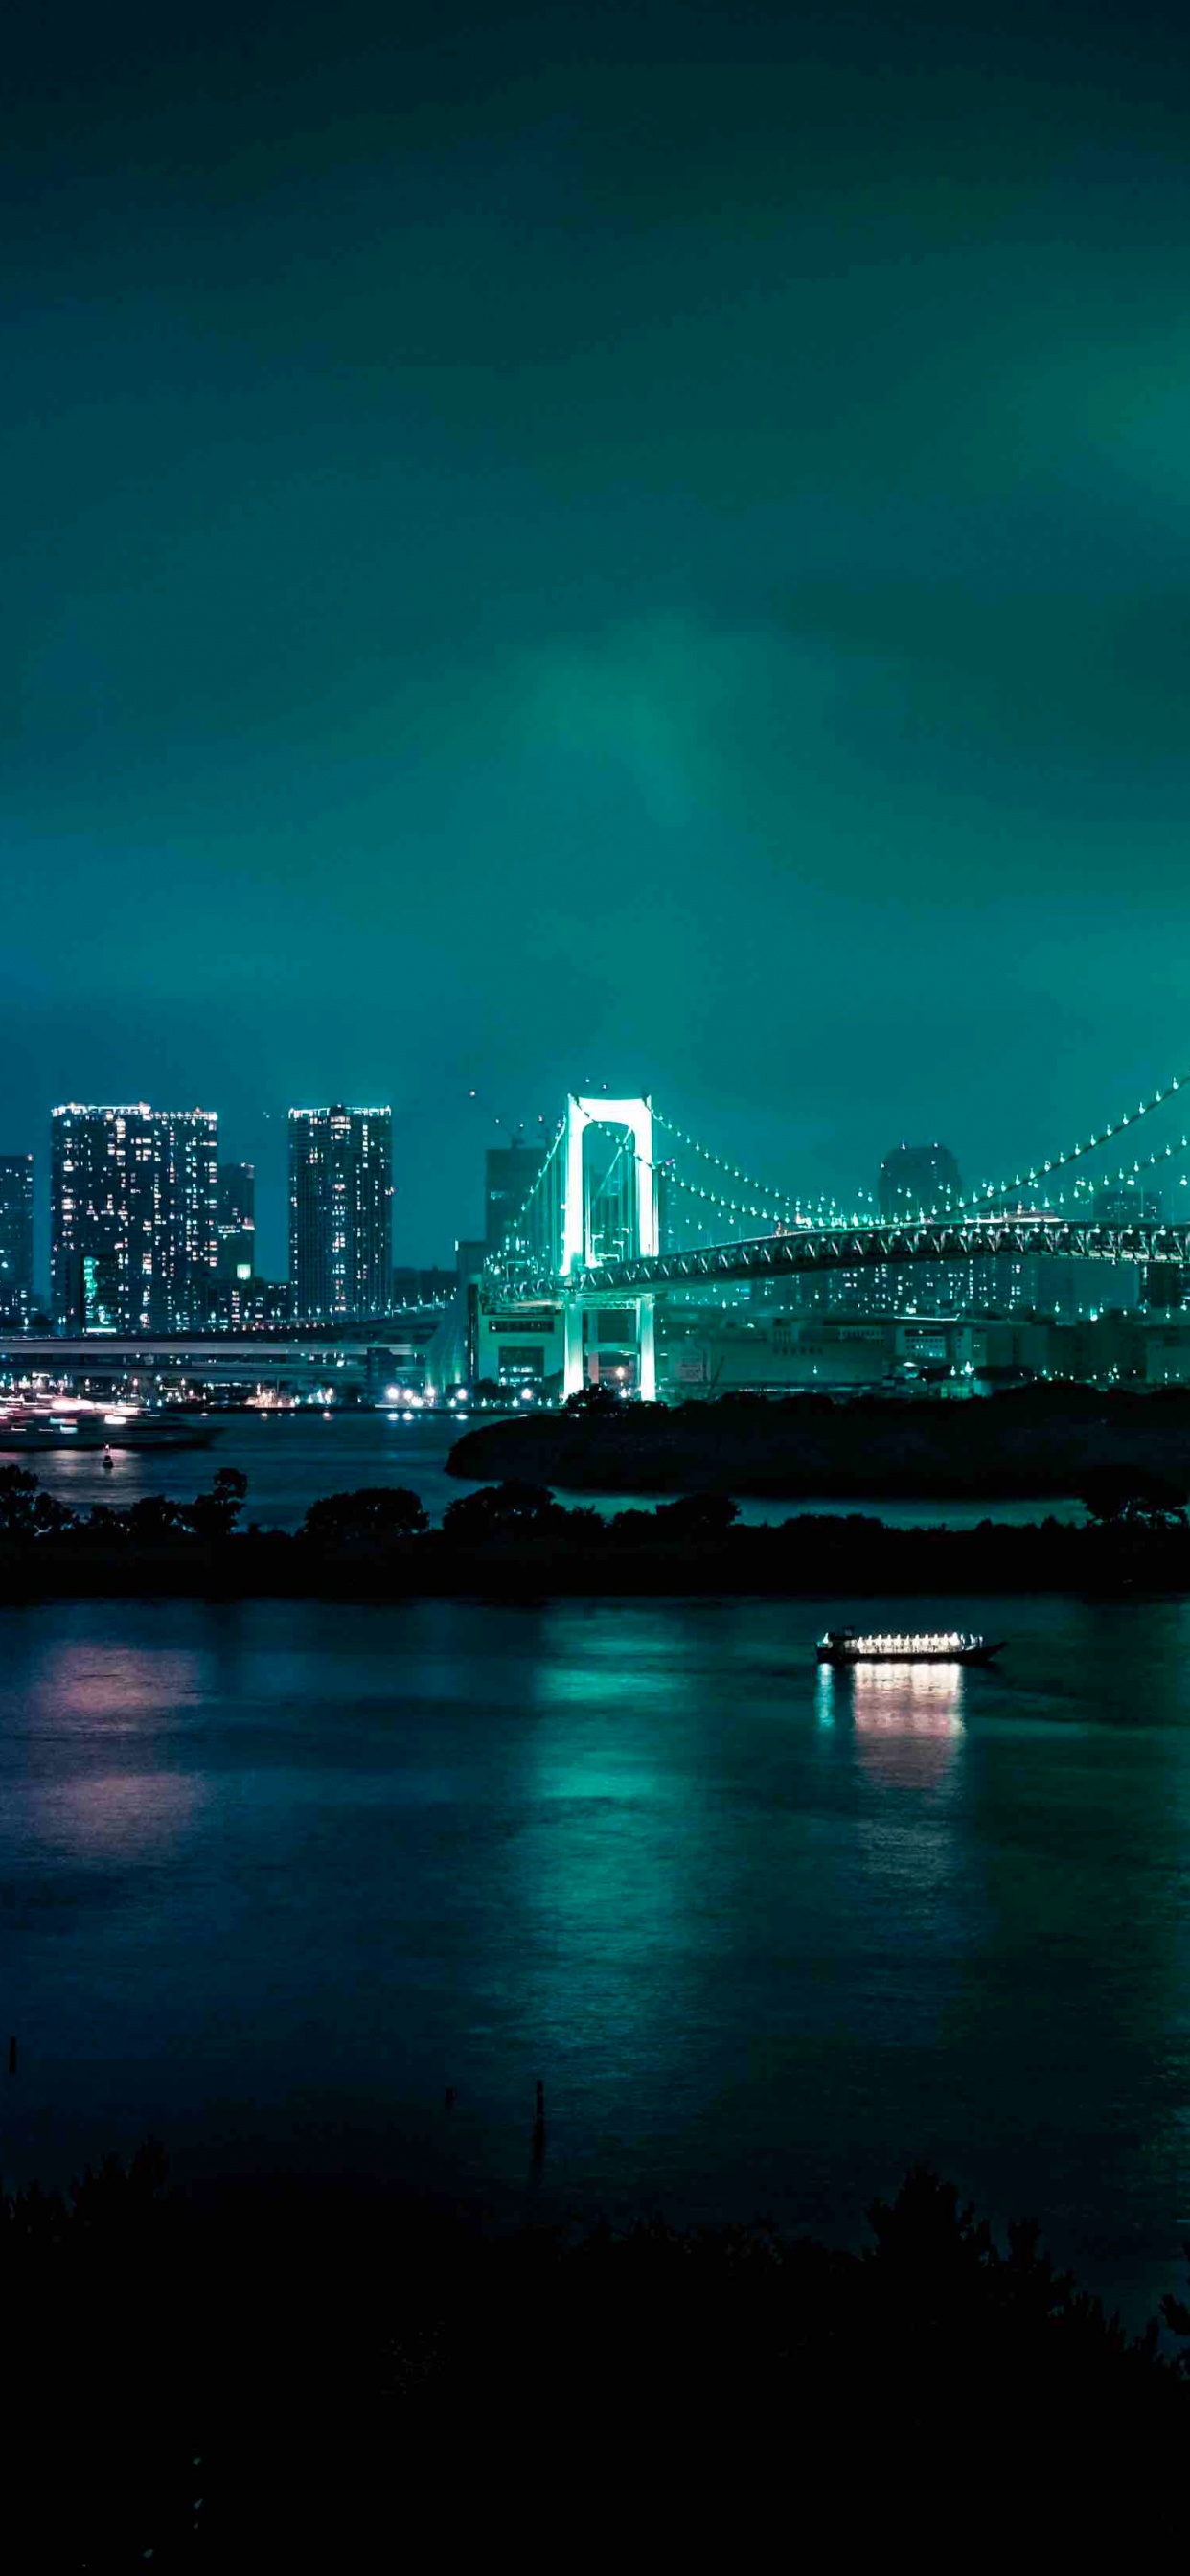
x: 413, y: 1290
x: 1126, y: 1203
x: 1157, y: 1284
x: 245, y: 1305
x: 340, y: 1212
x: 16, y: 1237
x: 132, y: 1217
x: 509, y: 1173
x: 235, y: 1221
x: 917, y: 1180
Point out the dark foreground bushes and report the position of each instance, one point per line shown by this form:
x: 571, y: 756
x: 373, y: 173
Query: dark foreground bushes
x: 293, y: 2377
x: 516, y: 1540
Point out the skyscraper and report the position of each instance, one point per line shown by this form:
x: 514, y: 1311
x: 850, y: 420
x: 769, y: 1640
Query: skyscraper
x: 340, y: 1212
x: 236, y: 1221
x: 16, y: 1237
x: 509, y: 1173
x: 185, y: 1198
x: 132, y: 1217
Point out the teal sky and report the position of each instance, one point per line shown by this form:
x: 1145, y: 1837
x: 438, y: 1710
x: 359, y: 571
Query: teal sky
x: 633, y: 545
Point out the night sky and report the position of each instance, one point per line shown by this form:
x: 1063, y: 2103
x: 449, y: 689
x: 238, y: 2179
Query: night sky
x: 561, y: 546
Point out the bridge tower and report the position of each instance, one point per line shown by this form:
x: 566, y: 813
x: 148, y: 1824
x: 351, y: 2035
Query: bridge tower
x: 625, y: 1127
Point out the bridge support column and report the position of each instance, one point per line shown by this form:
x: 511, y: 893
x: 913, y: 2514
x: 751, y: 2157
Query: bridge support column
x: 646, y: 1344
x: 572, y: 1364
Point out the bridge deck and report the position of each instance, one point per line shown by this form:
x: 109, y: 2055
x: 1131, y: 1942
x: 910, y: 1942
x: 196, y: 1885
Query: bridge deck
x: 810, y: 1249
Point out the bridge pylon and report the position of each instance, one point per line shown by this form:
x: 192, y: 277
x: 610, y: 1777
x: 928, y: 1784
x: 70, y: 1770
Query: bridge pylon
x: 609, y: 1212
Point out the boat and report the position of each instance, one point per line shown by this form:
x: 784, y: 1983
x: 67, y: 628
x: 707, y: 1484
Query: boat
x: 932, y: 1646
x: 71, y: 1423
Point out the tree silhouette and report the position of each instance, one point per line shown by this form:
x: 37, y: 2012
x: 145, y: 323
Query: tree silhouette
x: 213, y: 1516
x: 496, y: 1509
x: 28, y: 1513
x: 697, y: 1516
x: 373, y: 1512
x: 1136, y: 1496
x: 595, y: 1398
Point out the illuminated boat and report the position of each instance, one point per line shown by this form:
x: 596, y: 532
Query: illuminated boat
x: 932, y: 1646
x: 62, y: 1422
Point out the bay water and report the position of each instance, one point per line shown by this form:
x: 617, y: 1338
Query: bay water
x: 274, y: 1876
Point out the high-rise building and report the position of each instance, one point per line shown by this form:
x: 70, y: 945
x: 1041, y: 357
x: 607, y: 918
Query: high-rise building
x: 340, y: 1212
x: 509, y: 1173
x: 185, y: 1201
x: 917, y: 1180
x: 16, y: 1237
x: 132, y: 1217
x: 101, y: 1218
x: 235, y: 1221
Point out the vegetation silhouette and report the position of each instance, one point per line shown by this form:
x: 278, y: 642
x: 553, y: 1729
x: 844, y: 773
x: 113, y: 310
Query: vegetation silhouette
x: 373, y: 1512
x: 1038, y: 1439
x: 515, y: 1539
x: 297, y: 2373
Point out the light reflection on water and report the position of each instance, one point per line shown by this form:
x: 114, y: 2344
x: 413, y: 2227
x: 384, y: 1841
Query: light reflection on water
x: 908, y: 1718
x: 104, y: 1682
x: 273, y: 1874
x: 119, y: 1816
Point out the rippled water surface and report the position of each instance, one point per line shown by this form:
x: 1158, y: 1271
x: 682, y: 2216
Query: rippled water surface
x: 274, y: 1875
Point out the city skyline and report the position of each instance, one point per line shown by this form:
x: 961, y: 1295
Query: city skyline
x: 671, y: 528
x: 501, y: 1169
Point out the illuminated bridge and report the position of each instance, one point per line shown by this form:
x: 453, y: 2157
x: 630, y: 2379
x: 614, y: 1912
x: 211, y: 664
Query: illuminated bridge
x: 588, y: 1234
x: 862, y: 1247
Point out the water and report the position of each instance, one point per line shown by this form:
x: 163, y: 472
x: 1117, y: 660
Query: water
x: 290, y: 1459
x: 275, y: 1874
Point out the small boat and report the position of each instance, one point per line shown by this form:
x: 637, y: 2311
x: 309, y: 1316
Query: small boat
x: 934, y: 1646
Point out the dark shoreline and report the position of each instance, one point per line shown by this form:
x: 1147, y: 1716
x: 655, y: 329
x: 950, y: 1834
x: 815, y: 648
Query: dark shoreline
x: 809, y: 1558
x: 515, y: 1541
x: 1022, y: 1444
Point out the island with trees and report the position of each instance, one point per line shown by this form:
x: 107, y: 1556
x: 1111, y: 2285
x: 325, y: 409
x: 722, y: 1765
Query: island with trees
x: 1038, y: 1440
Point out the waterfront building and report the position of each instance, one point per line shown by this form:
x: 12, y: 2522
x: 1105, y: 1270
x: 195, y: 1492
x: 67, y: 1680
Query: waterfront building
x: 509, y: 1173
x: 340, y: 1212
x: 132, y: 1217
x: 235, y: 1221
x: 16, y: 1237
x: 521, y: 1350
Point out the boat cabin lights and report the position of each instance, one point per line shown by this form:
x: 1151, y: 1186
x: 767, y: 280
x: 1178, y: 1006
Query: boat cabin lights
x: 940, y: 1642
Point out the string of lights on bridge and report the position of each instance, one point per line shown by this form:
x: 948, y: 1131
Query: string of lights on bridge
x: 995, y: 1192
x: 773, y: 1205
x: 781, y: 1207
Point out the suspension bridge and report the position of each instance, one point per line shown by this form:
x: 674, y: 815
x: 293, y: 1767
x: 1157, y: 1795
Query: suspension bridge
x: 588, y: 1234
